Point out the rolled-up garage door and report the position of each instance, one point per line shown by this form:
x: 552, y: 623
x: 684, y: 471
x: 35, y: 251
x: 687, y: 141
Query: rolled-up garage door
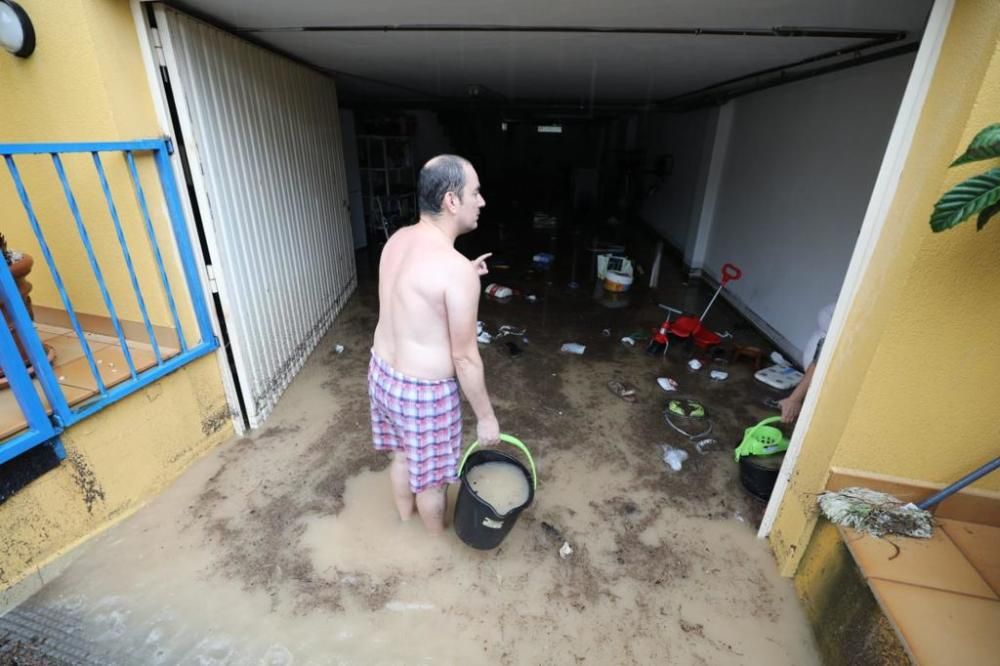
x: 263, y: 142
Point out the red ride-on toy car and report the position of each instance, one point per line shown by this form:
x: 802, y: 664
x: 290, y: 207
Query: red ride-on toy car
x: 689, y: 326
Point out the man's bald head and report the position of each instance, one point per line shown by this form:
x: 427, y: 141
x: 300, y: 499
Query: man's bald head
x: 441, y: 174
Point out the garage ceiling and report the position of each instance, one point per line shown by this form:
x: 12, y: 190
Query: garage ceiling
x: 580, y: 54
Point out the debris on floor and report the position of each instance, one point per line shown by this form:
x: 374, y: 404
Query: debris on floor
x: 686, y: 408
x: 566, y: 550
x: 719, y: 375
x: 628, y: 341
x: 573, y: 348
x: 674, y: 457
x: 704, y: 445
x: 779, y: 377
x: 513, y: 349
x: 694, y: 364
x: 543, y: 260
x: 667, y: 384
x: 612, y: 263
x: 507, y: 329
x: 338, y: 349
x: 687, y: 417
x: 606, y: 333
x: 719, y: 355
x: 623, y: 390
x: 482, y: 334
x: 498, y: 291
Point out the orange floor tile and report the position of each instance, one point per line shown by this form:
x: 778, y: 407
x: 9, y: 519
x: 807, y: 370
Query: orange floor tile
x: 940, y: 594
x: 941, y: 628
x: 981, y: 546
x: 73, y: 372
x: 936, y: 562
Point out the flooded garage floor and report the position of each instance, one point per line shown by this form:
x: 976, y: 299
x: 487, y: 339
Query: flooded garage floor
x: 284, y: 547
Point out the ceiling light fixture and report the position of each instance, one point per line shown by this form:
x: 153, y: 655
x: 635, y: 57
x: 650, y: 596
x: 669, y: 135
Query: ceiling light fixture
x: 17, y: 35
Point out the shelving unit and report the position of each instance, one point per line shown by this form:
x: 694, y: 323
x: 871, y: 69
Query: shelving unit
x: 388, y: 182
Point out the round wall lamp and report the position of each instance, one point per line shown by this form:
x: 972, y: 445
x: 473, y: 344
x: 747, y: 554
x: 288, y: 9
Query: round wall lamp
x: 17, y: 35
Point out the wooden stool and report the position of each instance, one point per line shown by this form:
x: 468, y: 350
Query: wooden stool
x: 755, y: 354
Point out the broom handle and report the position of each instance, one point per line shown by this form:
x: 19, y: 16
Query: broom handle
x: 958, y: 485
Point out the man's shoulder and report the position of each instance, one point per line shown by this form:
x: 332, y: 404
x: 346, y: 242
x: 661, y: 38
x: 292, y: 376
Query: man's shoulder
x: 448, y: 260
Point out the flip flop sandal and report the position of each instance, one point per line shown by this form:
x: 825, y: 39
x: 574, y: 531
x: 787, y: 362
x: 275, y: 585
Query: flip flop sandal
x: 623, y: 390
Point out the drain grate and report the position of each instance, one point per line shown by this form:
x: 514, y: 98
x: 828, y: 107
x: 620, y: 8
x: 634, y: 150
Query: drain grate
x: 45, y: 636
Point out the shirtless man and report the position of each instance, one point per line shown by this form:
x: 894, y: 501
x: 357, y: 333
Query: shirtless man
x: 425, y: 339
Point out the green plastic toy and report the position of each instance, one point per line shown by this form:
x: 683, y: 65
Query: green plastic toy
x: 762, y: 440
x: 690, y: 409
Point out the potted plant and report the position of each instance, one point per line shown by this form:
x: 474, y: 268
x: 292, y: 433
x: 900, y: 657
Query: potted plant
x: 979, y: 195
x: 20, y: 265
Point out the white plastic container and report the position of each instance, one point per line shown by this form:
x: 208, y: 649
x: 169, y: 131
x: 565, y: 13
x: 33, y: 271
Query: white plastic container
x: 617, y: 282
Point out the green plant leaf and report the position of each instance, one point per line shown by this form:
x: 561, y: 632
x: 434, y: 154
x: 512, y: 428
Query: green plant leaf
x: 985, y: 216
x: 986, y: 145
x: 968, y: 198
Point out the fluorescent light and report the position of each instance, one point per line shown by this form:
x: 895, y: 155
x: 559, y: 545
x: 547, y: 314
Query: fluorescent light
x: 550, y: 129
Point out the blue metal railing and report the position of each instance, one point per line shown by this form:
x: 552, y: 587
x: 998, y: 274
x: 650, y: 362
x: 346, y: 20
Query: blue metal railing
x: 44, y: 425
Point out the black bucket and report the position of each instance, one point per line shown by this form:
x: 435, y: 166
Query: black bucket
x: 759, y: 474
x: 476, y: 522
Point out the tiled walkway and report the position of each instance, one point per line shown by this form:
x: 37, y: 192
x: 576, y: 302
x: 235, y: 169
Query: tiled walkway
x: 73, y: 372
x: 941, y: 594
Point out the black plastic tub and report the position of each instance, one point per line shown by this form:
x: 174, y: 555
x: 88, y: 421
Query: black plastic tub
x: 758, y: 474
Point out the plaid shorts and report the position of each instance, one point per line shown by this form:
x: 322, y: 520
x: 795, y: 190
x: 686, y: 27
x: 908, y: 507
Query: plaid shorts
x: 419, y: 417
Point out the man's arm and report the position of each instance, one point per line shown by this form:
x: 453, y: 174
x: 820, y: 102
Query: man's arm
x: 462, y: 303
x: 792, y: 405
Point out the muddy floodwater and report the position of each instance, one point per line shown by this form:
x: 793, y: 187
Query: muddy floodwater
x: 284, y: 547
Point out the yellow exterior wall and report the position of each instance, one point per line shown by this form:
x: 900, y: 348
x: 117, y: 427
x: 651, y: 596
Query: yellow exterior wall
x: 115, y: 461
x: 914, y: 380
x: 86, y: 82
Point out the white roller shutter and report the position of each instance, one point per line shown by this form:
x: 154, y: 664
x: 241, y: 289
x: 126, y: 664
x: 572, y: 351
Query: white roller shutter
x: 263, y: 140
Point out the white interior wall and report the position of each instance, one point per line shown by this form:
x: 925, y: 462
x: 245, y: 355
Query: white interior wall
x: 673, y: 205
x: 798, y: 173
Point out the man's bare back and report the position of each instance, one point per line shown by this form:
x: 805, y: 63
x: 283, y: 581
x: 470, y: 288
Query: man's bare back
x: 418, y: 265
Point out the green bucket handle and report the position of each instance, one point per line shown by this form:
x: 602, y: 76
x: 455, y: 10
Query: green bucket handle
x: 743, y: 448
x: 769, y: 419
x: 509, y: 439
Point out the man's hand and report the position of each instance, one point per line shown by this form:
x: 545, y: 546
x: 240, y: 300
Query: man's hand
x: 790, y: 408
x: 488, y: 431
x: 479, y: 263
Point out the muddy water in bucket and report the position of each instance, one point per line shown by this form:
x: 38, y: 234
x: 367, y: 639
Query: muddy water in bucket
x: 499, y: 484
x: 495, y: 489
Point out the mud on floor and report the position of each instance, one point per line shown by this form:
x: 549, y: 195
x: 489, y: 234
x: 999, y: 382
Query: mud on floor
x: 284, y: 546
